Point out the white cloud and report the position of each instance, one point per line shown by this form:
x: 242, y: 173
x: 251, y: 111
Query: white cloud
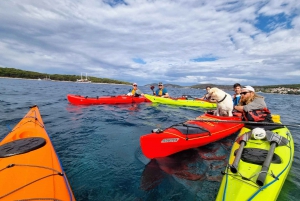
x: 92, y: 36
x: 294, y: 73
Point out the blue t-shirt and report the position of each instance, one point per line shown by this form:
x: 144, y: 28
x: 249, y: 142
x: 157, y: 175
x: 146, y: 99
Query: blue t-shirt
x: 236, y: 100
x: 164, y: 91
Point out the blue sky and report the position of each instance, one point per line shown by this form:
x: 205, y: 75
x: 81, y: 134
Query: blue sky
x: 253, y: 42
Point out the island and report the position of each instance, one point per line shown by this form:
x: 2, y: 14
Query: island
x: 17, y: 73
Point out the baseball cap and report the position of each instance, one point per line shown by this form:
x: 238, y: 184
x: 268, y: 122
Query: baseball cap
x: 134, y: 84
x: 160, y: 83
x: 249, y: 88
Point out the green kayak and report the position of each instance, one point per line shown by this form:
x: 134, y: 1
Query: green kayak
x: 181, y: 101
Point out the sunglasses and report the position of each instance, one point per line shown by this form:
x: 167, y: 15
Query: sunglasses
x: 159, y: 85
x: 244, y: 93
x: 134, y: 85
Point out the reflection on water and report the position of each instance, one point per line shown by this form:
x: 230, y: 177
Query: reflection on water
x: 191, y: 168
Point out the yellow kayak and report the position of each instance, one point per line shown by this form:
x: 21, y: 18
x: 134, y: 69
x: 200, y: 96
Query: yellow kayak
x: 259, y: 163
x: 181, y: 101
x: 29, y: 166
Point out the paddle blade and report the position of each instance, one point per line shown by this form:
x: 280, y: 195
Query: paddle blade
x: 152, y: 87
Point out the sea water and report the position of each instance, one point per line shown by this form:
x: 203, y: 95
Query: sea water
x: 99, y: 148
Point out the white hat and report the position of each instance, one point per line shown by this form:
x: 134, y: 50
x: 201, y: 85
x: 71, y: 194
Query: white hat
x: 134, y: 84
x: 249, y: 88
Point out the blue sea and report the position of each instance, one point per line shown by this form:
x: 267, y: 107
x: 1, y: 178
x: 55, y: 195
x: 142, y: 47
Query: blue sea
x: 99, y: 148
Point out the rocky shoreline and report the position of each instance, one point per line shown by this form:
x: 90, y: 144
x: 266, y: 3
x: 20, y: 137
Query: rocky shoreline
x: 281, y: 90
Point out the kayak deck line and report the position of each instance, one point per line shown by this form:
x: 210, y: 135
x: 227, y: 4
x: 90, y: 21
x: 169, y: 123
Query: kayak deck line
x: 29, y: 183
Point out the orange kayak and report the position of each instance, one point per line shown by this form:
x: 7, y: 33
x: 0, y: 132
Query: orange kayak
x: 29, y: 166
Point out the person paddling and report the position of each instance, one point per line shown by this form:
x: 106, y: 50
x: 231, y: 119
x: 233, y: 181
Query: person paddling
x: 134, y: 91
x: 161, y: 91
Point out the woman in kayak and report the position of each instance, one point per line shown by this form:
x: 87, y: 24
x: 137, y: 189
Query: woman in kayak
x: 252, y: 107
x: 134, y: 91
x: 161, y: 91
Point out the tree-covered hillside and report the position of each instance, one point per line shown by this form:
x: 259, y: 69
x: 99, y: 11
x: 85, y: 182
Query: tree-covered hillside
x: 17, y: 73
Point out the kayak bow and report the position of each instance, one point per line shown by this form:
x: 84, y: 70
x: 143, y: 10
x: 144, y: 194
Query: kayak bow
x: 29, y: 166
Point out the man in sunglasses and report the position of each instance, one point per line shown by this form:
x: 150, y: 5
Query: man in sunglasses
x: 252, y: 107
x: 161, y: 91
x: 134, y: 91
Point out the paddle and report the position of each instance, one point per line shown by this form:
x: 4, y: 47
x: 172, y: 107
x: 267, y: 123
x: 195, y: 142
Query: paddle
x: 275, y: 140
x: 245, y: 122
x: 152, y: 88
x: 242, y: 140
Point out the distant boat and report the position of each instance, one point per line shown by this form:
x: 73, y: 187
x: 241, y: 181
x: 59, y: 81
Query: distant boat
x: 84, y: 80
x: 47, y: 78
x: 39, y: 79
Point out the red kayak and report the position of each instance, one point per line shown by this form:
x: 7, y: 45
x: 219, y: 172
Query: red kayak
x: 190, y: 134
x: 120, y: 99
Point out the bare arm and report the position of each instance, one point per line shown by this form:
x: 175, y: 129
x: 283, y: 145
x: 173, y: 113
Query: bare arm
x: 166, y: 95
x: 239, y: 108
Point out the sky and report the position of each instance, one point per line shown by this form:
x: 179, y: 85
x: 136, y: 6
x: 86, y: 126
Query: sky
x: 184, y: 42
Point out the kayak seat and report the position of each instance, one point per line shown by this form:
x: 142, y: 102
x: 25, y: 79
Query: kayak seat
x: 257, y: 156
x: 190, y: 129
x: 21, y: 146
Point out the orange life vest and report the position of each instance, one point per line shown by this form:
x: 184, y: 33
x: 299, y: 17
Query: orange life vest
x: 255, y: 115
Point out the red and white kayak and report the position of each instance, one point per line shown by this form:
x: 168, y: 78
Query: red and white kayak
x: 120, y: 99
x: 190, y: 134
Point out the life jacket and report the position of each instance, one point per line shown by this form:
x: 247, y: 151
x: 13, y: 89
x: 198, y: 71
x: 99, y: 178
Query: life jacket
x: 255, y: 115
x: 160, y: 93
x: 133, y: 92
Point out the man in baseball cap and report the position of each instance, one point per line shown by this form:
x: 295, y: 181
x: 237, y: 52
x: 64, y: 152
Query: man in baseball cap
x: 248, y: 88
x: 253, y: 106
x: 161, y: 91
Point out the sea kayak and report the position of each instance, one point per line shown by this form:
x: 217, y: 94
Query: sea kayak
x: 120, y: 99
x: 181, y: 101
x: 29, y: 166
x: 190, y: 134
x: 258, y: 164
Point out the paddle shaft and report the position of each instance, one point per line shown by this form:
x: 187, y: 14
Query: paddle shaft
x: 237, y: 158
x: 244, y: 122
x: 265, y: 167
